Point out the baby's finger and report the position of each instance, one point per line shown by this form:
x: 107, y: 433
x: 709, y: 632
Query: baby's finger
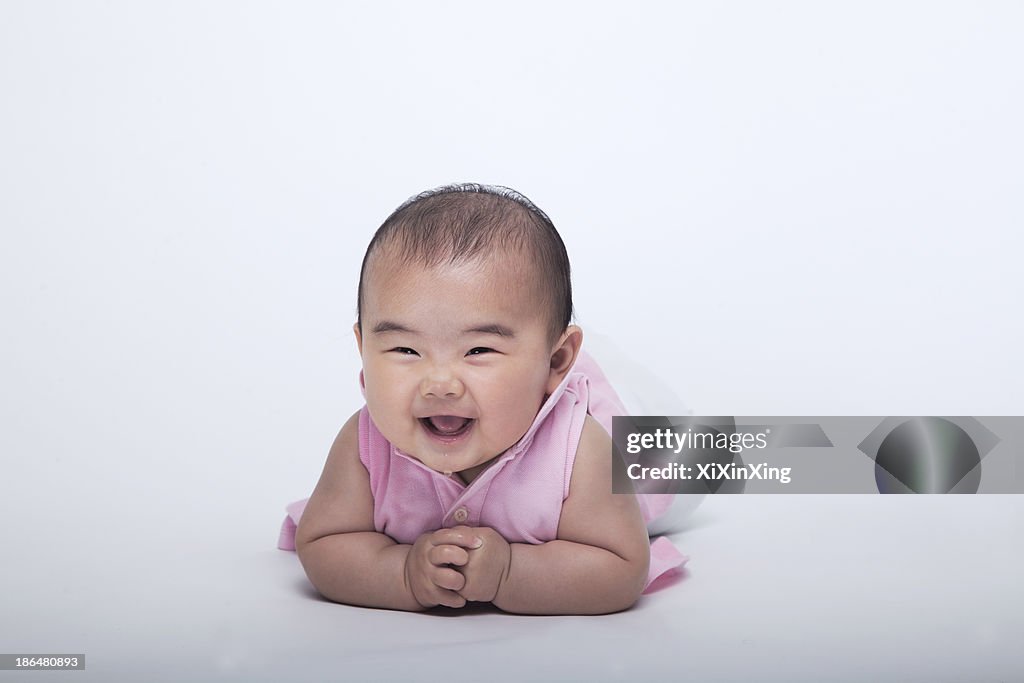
x: 448, y: 579
x: 441, y: 555
x: 450, y: 599
x: 462, y: 536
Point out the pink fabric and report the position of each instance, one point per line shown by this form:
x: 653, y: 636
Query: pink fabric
x: 520, y: 495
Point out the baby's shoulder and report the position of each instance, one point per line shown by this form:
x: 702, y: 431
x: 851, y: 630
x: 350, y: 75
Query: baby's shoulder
x: 344, y: 453
x: 594, y: 444
x: 341, y: 501
x: 592, y: 513
x: 592, y: 461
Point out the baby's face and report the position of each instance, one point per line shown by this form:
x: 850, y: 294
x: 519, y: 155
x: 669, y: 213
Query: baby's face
x: 456, y: 358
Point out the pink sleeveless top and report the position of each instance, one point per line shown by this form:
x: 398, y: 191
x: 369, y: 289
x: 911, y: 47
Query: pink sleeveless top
x: 520, y: 495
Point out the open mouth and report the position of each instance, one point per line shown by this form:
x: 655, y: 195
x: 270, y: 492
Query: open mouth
x: 446, y: 426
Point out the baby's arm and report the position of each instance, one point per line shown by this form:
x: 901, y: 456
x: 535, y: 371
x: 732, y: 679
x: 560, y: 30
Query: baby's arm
x: 348, y: 561
x: 599, y: 562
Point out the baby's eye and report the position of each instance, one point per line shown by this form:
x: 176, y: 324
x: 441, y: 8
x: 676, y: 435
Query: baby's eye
x: 477, y: 350
x: 404, y: 350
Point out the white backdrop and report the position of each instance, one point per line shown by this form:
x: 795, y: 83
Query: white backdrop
x: 778, y: 208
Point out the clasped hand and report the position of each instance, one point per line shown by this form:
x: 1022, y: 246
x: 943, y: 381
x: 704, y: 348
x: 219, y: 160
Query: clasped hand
x: 452, y: 566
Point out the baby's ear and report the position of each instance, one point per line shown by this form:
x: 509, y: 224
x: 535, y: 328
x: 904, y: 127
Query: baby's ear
x: 359, y: 338
x: 564, y: 355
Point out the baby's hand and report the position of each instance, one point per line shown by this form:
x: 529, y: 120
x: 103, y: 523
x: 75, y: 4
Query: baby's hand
x: 487, y: 566
x: 428, y: 566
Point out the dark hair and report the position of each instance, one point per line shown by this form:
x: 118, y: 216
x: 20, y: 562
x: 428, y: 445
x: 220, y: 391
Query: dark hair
x: 458, y: 222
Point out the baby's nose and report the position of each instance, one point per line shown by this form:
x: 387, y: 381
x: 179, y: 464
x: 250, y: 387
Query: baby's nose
x: 441, y: 383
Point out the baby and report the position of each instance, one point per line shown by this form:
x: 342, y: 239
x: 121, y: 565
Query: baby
x: 475, y: 472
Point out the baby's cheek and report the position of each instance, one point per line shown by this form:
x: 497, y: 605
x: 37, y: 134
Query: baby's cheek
x: 518, y: 415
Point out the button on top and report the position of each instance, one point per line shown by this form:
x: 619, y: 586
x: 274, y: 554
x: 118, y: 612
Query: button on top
x: 461, y: 515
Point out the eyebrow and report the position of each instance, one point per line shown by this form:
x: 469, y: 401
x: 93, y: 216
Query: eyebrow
x: 390, y: 326
x: 385, y: 326
x: 491, y: 328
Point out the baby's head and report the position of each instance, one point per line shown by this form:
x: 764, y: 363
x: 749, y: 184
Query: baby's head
x: 464, y: 323
x: 458, y: 224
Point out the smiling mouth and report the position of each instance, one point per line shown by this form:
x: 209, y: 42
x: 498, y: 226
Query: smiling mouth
x: 446, y: 426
